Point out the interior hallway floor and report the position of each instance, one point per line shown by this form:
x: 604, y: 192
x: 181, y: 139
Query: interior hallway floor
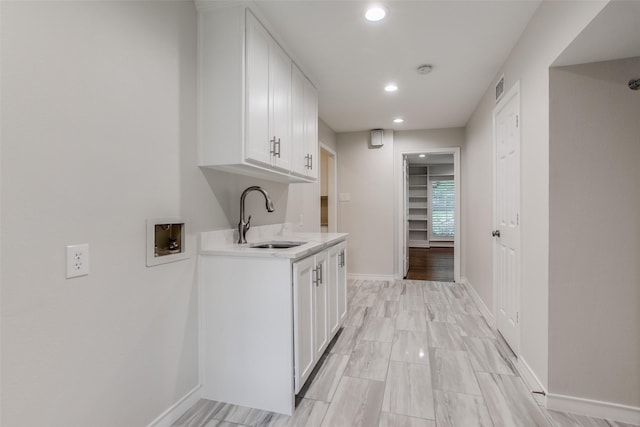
x: 411, y: 354
x: 434, y: 264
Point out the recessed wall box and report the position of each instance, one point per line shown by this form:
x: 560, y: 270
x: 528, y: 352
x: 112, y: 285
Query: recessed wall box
x: 166, y: 240
x: 376, y: 137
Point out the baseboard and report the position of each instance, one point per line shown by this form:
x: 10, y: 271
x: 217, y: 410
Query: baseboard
x: 594, y: 408
x: 175, y: 411
x: 532, y: 381
x: 484, y: 310
x: 370, y: 276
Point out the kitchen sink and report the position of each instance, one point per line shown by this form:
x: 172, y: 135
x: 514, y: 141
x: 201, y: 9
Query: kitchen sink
x: 278, y: 244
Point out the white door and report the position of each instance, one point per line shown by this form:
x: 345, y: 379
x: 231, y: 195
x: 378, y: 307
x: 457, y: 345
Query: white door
x: 405, y: 198
x: 507, y: 217
x: 303, y: 289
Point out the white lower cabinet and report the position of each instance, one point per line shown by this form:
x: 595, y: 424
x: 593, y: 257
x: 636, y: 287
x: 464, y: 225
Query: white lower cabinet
x: 320, y: 306
x: 265, y: 322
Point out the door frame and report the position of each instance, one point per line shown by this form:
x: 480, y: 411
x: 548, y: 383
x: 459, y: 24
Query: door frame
x: 332, y: 185
x: 402, y: 214
x: 514, y: 91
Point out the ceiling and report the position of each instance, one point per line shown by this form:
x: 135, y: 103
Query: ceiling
x: 352, y: 59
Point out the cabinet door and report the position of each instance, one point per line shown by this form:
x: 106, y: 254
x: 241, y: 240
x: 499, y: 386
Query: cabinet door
x: 311, y: 127
x: 280, y: 102
x: 332, y: 285
x: 257, y: 135
x: 299, y: 152
x: 342, y: 283
x: 321, y: 327
x: 303, y: 325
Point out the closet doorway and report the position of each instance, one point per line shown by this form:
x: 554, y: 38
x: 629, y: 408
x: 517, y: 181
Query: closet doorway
x: 431, y: 218
x: 328, y: 190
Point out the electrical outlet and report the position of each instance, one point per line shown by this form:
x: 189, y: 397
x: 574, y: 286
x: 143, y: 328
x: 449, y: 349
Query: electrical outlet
x: 77, y: 260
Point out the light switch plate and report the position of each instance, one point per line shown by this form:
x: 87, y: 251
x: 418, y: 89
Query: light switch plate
x: 77, y: 260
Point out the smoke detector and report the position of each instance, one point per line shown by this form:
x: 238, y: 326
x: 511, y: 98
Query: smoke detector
x: 425, y: 69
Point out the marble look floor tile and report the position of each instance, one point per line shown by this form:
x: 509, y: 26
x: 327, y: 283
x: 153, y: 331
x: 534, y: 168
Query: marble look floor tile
x: 439, y: 312
x: 363, y: 298
x: 243, y: 415
x: 474, y: 326
x: 326, y: 380
x: 346, y: 341
x: 434, y: 286
x: 431, y: 297
x: 378, y: 329
x: 412, y: 303
x: 373, y: 286
x: 445, y: 335
x: 410, y: 347
x: 452, y: 371
x: 384, y: 308
x: 199, y: 414
x: 412, y: 288
x: 356, y: 316
x: 456, y: 409
x: 370, y: 360
x: 220, y: 423
x: 357, y: 403
x: 389, y: 294
x: 486, y: 357
x: 395, y: 420
x: 411, y: 321
x: 308, y: 413
x: 509, y: 402
x: 409, y: 391
x: 563, y: 419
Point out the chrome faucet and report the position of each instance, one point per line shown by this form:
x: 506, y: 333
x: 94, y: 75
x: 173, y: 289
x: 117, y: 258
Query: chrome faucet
x: 243, y: 226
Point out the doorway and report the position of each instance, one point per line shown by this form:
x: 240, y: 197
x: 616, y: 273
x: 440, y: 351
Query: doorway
x: 328, y: 190
x: 430, y: 215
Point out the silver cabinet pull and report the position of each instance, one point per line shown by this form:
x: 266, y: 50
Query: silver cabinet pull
x: 320, y: 273
x: 273, y: 149
x: 310, y: 161
x: 314, y: 278
x: 278, y: 152
x: 306, y: 165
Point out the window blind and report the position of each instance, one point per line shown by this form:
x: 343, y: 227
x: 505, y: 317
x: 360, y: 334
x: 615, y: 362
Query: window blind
x: 442, y: 209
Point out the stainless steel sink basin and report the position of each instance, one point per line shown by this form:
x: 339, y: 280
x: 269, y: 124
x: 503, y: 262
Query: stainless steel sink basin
x: 277, y: 245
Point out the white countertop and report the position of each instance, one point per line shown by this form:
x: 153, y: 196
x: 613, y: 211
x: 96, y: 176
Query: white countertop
x: 222, y: 243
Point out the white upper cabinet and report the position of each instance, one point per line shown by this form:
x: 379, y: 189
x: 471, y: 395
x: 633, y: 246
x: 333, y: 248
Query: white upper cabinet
x: 304, y: 118
x: 246, y: 113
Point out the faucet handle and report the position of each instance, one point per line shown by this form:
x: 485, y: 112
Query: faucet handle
x: 248, y: 226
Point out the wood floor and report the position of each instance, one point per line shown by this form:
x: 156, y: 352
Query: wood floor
x: 431, y: 264
x: 411, y: 354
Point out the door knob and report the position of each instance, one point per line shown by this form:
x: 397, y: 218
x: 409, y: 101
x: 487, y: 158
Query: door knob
x: 495, y: 233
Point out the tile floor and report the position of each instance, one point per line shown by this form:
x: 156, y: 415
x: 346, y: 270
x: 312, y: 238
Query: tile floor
x: 411, y: 354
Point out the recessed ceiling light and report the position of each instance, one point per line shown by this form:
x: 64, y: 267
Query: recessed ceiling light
x: 398, y: 120
x: 391, y: 87
x: 375, y: 13
x: 422, y: 156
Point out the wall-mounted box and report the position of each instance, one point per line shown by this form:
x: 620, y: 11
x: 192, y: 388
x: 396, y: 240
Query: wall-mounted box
x: 166, y: 240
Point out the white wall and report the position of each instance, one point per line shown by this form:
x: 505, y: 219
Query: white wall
x: 552, y: 28
x: 594, y: 243
x: 99, y: 134
x: 370, y: 176
x: 366, y: 174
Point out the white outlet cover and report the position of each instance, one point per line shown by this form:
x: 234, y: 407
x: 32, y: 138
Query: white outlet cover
x: 77, y: 260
